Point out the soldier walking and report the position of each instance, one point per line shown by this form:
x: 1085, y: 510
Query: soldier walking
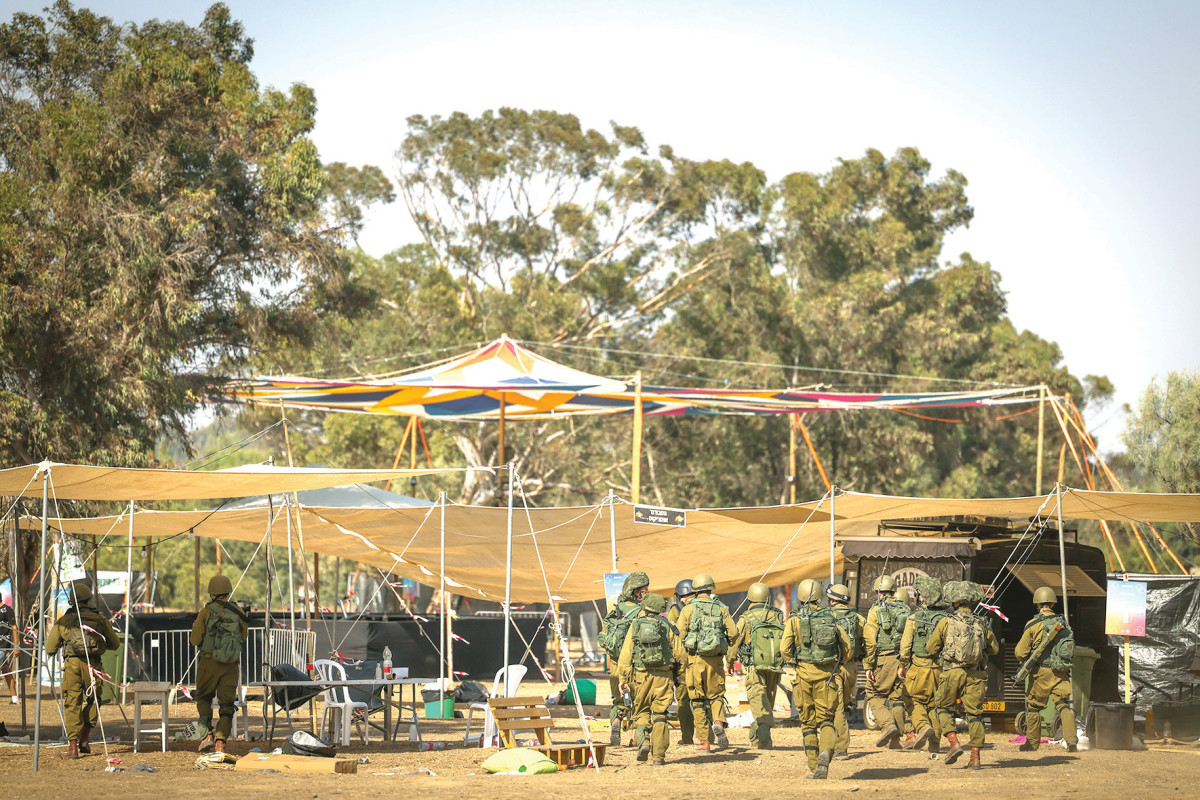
x: 219, y: 631
x: 83, y: 634
x: 758, y: 644
x: 683, y: 701
x: 882, y: 632
x: 707, y: 630
x: 853, y: 624
x: 645, y: 668
x: 962, y: 641
x: 1048, y: 637
x: 918, y: 669
x: 612, y: 638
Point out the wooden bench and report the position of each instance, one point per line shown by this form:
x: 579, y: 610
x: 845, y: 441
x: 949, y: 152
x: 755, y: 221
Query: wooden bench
x: 530, y: 713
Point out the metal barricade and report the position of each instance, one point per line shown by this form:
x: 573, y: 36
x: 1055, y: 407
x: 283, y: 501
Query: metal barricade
x: 170, y: 656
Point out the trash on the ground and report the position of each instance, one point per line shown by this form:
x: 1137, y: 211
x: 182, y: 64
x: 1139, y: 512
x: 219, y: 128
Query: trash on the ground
x: 303, y: 743
x: 364, y: 759
x: 433, y: 746
x: 853, y: 788
x: 142, y: 768
x: 421, y: 771
x: 114, y: 769
x: 742, y: 720
x: 216, y: 761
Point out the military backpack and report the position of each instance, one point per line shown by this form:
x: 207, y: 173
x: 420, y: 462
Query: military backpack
x: 651, y: 643
x: 891, y: 617
x: 818, y: 636
x: 222, y: 634
x: 847, y: 620
x: 764, y: 630
x: 924, y: 620
x: 706, y: 630
x: 1061, y: 653
x: 82, y: 640
x: 964, y: 642
x: 616, y: 626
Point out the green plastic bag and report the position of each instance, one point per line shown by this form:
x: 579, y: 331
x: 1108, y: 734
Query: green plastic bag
x: 519, y: 759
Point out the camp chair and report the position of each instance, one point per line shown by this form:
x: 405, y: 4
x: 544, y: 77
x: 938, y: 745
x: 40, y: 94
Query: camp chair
x: 287, y: 699
x: 511, y: 677
x: 338, y: 701
x: 530, y: 713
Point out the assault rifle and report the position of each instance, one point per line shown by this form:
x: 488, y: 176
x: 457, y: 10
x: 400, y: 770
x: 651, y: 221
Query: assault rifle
x: 1036, y: 656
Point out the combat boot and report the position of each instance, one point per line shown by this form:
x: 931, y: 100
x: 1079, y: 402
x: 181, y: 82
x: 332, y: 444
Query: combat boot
x: 719, y: 735
x: 889, y: 735
x: 910, y: 741
x: 72, y: 749
x: 822, y: 770
x: 206, y: 743
x: 916, y: 742
x: 644, y: 751
x: 956, y: 749
x: 974, y: 762
x: 219, y: 746
x: 614, y: 736
x: 85, y: 746
x: 704, y: 745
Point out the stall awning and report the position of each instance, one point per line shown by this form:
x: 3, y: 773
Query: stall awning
x: 909, y: 547
x: 1034, y: 576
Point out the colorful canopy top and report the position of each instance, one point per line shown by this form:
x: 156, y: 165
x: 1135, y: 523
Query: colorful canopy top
x: 530, y: 386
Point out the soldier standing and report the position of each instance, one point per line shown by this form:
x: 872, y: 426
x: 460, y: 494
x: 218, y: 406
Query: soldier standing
x: 817, y: 646
x: 918, y: 669
x: 687, y: 722
x: 645, y: 668
x: 707, y: 629
x: 612, y: 638
x: 219, y: 631
x: 1048, y: 633
x: 83, y: 634
x: 882, y: 632
x: 758, y: 644
x: 852, y: 623
x: 962, y: 641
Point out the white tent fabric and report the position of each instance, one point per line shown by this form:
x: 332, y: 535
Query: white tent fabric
x: 738, y: 546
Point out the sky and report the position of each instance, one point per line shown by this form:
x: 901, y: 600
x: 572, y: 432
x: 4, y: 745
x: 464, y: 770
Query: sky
x: 1075, y: 123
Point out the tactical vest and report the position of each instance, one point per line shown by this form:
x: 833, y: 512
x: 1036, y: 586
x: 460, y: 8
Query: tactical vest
x: 1061, y: 653
x: 651, y: 643
x: 924, y: 620
x: 763, y: 646
x: 82, y: 636
x: 964, y: 642
x: 818, y: 642
x: 616, y: 625
x: 706, y: 629
x: 847, y: 620
x: 891, y: 617
x: 222, y: 635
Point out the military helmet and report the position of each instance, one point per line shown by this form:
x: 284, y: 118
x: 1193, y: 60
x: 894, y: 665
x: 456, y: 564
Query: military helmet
x: 758, y: 593
x: 684, y: 589
x: 838, y: 593
x: 885, y: 583
x: 219, y: 584
x: 809, y: 591
x: 1044, y: 594
x: 82, y: 592
x: 902, y: 595
x: 962, y: 592
x: 929, y: 589
x: 703, y: 583
x: 654, y: 602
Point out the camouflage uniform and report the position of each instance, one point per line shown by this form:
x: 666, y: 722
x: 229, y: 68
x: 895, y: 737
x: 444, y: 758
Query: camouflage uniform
x: 1049, y: 684
x: 848, y: 676
x: 882, y: 661
x: 81, y: 686
x: 761, y: 685
x: 922, y: 671
x: 817, y: 685
x: 966, y: 682
x: 705, y: 675
x: 214, y: 678
x: 687, y: 721
x: 627, y: 603
x: 652, y: 688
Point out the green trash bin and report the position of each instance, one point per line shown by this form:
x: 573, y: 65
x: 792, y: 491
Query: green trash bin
x: 587, y: 692
x: 1081, y: 679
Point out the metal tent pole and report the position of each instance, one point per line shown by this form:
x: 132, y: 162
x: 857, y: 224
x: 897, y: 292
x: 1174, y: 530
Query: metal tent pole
x: 445, y: 645
x: 1062, y: 554
x: 832, y: 492
x: 128, y: 607
x: 508, y: 574
x: 291, y: 581
x: 612, y: 526
x: 41, y: 640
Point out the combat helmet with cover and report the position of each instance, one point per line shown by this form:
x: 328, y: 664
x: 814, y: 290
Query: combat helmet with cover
x: 808, y: 591
x: 962, y: 592
x: 929, y: 589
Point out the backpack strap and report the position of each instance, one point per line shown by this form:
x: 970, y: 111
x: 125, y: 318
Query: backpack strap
x: 233, y: 608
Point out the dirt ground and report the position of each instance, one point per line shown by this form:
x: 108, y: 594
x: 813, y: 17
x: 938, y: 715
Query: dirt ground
x: 1167, y: 770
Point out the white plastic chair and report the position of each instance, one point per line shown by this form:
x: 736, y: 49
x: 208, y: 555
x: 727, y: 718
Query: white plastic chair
x: 511, y: 677
x: 337, y: 699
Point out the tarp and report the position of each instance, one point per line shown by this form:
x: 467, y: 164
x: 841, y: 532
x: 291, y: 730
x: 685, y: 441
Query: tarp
x: 738, y: 546
x: 1161, y: 661
x: 470, y: 387
x: 121, y: 484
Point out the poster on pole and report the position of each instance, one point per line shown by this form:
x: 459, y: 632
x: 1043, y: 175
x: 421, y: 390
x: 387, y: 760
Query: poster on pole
x: 613, y: 581
x: 1125, y: 612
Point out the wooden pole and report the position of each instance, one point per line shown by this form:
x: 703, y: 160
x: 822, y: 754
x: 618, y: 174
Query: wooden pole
x: 316, y: 583
x: 196, y: 573
x: 500, y: 435
x: 636, y: 480
x: 792, y: 458
x: 813, y: 450
x: 400, y: 451
x: 1040, y: 439
x: 149, y: 572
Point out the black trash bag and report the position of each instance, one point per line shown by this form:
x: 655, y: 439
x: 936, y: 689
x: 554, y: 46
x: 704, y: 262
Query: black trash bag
x: 470, y: 692
x: 303, y: 743
x: 291, y: 697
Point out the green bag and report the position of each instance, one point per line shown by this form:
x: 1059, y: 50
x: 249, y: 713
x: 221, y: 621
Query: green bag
x: 924, y: 620
x: 616, y: 626
x: 1062, y: 649
x: 964, y: 641
x: 222, y: 635
x: 766, y: 640
x: 847, y: 620
x: 891, y: 617
x: 706, y: 631
x: 651, y: 643
x: 818, y: 636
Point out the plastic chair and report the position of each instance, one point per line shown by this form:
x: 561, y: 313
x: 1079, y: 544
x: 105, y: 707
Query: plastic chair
x: 511, y: 677
x: 337, y: 698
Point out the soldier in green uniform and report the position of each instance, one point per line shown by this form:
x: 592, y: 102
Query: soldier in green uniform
x: 707, y: 629
x: 219, y: 631
x: 918, y: 669
x: 882, y: 632
x: 962, y: 641
x: 817, y: 646
x: 852, y: 623
x: 687, y: 722
x: 758, y: 645
x: 612, y: 638
x: 83, y: 634
x: 1051, y: 673
x: 645, y: 668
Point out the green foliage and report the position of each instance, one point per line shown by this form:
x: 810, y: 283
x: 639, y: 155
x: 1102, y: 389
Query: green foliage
x: 1161, y: 434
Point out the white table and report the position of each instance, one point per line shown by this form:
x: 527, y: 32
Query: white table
x: 389, y: 684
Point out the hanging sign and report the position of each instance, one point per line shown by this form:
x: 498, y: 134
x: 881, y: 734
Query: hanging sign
x: 613, y: 582
x: 1125, y: 613
x: 650, y: 515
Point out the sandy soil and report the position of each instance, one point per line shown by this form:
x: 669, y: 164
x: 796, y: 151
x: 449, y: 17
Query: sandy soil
x: 1172, y: 771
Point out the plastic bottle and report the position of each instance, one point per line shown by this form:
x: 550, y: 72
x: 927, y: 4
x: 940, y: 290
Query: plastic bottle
x: 378, y: 672
x: 433, y: 745
x: 387, y: 662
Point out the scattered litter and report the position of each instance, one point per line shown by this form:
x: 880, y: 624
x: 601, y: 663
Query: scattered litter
x: 853, y: 789
x: 142, y: 768
x: 255, y: 749
x: 742, y: 720
x: 114, y: 769
x: 421, y: 771
x: 364, y: 759
x: 114, y: 761
x: 278, y: 751
x: 433, y: 745
x: 266, y: 770
x: 216, y: 761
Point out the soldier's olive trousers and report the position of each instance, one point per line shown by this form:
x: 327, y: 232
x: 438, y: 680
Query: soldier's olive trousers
x: 687, y: 720
x: 1050, y: 686
x: 80, y: 691
x: 214, y: 679
x: 705, y: 676
x: 653, y: 691
x: 818, y: 694
x: 885, y: 695
x: 966, y: 685
x: 618, y: 710
x: 760, y: 692
x: 920, y: 684
x: 848, y: 678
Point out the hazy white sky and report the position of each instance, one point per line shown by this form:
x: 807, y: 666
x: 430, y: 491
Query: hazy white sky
x: 1075, y: 122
